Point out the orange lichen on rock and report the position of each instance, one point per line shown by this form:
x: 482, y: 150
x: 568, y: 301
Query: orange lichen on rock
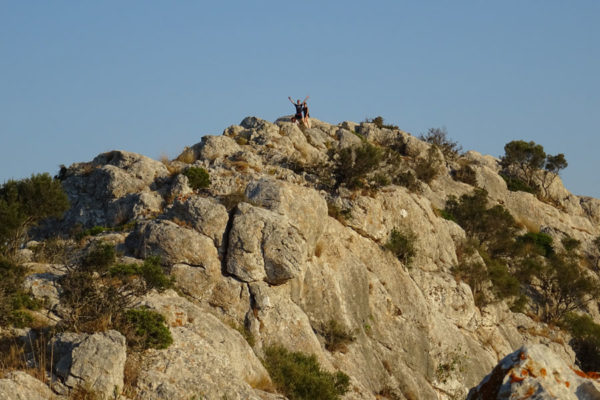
x: 514, y: 378
x: 524, y: 372
x: 567, y: 384
x: 522, y: 356
x: 580, y: 373
x: 593, y: 375
x: 529, y: 392
x: 543, y: 372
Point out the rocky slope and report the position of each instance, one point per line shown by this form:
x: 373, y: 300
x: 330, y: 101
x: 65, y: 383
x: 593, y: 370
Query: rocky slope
x: 258, y: 249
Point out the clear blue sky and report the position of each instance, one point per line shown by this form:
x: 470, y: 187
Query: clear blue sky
x: 78, y: 78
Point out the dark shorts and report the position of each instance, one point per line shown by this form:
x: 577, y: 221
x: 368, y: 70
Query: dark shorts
x: 298, y: 116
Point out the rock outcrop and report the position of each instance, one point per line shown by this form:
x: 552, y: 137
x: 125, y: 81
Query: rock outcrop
x: 271, y: 253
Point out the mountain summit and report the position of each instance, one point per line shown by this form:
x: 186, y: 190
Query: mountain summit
x: 354, y: 260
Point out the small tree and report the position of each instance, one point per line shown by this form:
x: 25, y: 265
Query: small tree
x: 439, y: 138
x: 525, y: 160
x: 24, y: 203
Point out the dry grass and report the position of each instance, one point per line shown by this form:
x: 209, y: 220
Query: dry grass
x: 529, y: 225
x: 187, y: 156
x: 173, y: 169
x: 131, y: 374
x: 263, y: 383
x: 32, y: 358
x: 80, y: 393
x: 182, y: 223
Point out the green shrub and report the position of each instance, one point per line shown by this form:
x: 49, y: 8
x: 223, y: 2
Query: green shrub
x: 334, y: 211
x: 25, y: 203
x: 124, y: 270
x: 153, y: 274
x: 407, y: 179
x: 586, y: 340
x: 13, y: 300
x: 198, y: 177
x: 379, y: 122
x: 504, y: 284
x: 428, y: 168
x: 336, y: 336
x: 145, y: 329
x: 439, y: 138
x: 353, y: 163
x: 300, y: 377
x: 536, y: 242
x: 402, y: 244
x: 515, y: 184
x: 466, y: 174
x: 570, y: 244
x: 99, y: 258
x: 475, y: 275
x: 494, y: 227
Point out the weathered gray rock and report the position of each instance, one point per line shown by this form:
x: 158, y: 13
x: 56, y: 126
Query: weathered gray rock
x: 212, y: 148
x: 304, y: 207
x: 94, y: 362
x: 264, y: 245
x: 18, y: 385
x: 204, y: 214
x: 535, y: 372
x: 173, y: 244
x: 135, y: 165
x: 45, y: 287
x: 207, y: 359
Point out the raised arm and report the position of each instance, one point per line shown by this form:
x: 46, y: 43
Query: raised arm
x: 305, y: 99
x: 290, y: 99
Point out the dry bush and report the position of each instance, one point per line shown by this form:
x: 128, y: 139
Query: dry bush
x: 131, y: 374
x: 187, y: 156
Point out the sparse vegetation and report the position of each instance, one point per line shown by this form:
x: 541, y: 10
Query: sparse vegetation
x: 428, y: 167
x: 352, y: 164
x: 336, y: 336
x: 402, y: 244
x: 96, y: 292
x: 300, y: 377
x: 379, y: 122
x: 586, y: 340
x: 14, y: 302
x: 24, y: 204
x: 198, y: 177
x: 438, y: 137
x: 465, y: 174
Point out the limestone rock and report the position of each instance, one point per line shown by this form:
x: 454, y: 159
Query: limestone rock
x: 305, y: 208
x: 207, y: 358
x: 173, y: 244
x: 136, y: 165
x: 18, y: 385
x: 206, y: 215
x: 535, y: 372
x: 212, y: 148
x: 94, y: 362
x: 264, y: 245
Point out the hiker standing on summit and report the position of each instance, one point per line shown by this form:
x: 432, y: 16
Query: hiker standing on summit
x: 306, y: 119
x: 299, y: 106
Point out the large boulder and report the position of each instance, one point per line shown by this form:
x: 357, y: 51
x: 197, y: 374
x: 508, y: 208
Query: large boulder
x: 94, y: 362
x: 304, y: 207
x: 173, y: 244
x: 204, y: 214
x: 536, y: 372
x: 18, y: 385
x: 263, y: 245
x: 207, y: 358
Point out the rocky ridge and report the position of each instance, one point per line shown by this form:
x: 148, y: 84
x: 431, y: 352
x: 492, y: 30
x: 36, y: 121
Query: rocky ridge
x: 258, y: 249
